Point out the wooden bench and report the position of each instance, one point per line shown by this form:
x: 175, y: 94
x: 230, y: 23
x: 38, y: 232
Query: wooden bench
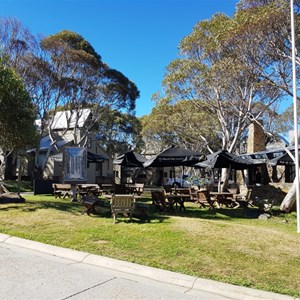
x: 90, y: 202
x: 89, y: 190
x: 107, y: 188
x: 62, y: 190
x: 135, y: 188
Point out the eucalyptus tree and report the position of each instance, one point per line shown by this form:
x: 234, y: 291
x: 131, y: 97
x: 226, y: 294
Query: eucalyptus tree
x: 274, y: 35
x: 118, y: 132
x: 81, y: 78
x: 67, y: 72
x: 179, y: 124
x: 215, y: 74
x: 17, y: 42
x: 227, y: 71
x: 16, y: 114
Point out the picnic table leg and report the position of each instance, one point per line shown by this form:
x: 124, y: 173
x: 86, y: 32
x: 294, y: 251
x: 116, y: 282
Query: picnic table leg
x: 74, y: 192
x: 181, y: 204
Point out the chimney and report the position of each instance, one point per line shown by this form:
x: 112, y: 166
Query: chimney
x: 256, y: 138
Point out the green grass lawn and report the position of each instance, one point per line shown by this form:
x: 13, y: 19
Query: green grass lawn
x: 228, y: 245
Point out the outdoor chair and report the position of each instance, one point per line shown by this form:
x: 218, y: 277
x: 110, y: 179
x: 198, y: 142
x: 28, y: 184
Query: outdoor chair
x: 205, y: 199
x: 159, y: 200
x: 244, y: 197
x: 194, y: 193
x: 202, y: 196
x: 122, y: 204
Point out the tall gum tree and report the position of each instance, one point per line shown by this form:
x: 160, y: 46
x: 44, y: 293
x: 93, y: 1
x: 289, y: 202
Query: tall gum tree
x: 65, y: 71
x: 274, y: 35
x: 17, y: 115
x: 84, y: 80
x: 178, y: 124
x: 216, y: 72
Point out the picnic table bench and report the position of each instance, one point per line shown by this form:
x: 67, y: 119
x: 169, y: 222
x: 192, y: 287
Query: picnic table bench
x: 89, y: 189
x: 107, y: 188
x: 135, y: 188
x: 62, y: 190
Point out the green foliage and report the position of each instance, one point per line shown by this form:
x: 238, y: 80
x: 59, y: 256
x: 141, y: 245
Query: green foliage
x: 118, y: 132
x: 84, y: 77
x: 180, y: 124
x: 16, y: 112
x: 74, y: 40
x: 285, y: 121
x: 120, y: 87
x: 70, y: 41
x: 235, y: 69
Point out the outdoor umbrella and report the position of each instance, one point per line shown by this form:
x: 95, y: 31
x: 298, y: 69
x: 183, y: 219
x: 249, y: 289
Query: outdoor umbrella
x: 130, y: 159
x: 224, y: 159
x: 174, y: 156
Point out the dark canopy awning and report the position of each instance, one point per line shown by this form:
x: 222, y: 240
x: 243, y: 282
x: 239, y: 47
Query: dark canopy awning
x: 130, y: 159
x: 94, y: 158
x: 224, y: 159
x: 282, y: 160
x: 174, y: 156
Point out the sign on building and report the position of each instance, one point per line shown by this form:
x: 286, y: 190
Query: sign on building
x: 75, y: 165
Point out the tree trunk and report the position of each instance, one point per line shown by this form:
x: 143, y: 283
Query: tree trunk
x: 2, y: 170
x: 289, y: 200
x: 223, y: 183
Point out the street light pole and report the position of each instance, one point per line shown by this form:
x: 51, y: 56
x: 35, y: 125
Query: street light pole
x: 295, y: 117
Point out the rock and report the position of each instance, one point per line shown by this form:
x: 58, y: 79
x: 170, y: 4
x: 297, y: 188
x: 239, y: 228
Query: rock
x: 264, y: 217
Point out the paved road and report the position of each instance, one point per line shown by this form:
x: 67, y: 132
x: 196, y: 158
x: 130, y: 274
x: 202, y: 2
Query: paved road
x: 31, y: 270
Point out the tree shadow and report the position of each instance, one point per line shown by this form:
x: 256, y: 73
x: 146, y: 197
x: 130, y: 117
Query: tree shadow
x: 31, y: 206
x: 225, y: 213
x: 145, y: 215
x: 152, y: 215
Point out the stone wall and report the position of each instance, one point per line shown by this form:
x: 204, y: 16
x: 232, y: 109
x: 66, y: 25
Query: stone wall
x: 256, y: 139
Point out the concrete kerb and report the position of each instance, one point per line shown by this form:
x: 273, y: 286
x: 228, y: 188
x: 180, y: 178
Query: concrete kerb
x: 237, y: 292
x: 189, y: 282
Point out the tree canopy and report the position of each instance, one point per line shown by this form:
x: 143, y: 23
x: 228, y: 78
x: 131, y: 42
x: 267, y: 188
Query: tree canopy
x: 235, y: 69
x: 16, y: 112
x: 64, y: 70
x: 179, y: 124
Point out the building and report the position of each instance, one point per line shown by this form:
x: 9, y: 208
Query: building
x: 69, y: 130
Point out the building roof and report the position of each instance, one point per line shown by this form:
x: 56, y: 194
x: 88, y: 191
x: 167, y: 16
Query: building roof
x: 67, y: 119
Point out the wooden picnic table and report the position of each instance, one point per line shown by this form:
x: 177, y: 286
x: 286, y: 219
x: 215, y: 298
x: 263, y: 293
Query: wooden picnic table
x: 134, y: 188
x: 226, y: 198
x: 92, y: 189
x: 62, y: 190
x: 177, y: 199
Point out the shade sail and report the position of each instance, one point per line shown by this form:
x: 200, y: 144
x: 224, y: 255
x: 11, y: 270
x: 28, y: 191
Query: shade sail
x: 130, y: 159
x: 94, y: 158
x: 282, y: 160
x: 224, y: 159
x: 174, y: 156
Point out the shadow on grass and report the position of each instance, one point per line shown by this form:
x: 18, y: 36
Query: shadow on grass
x: 31, y: 206
x: 76, y: 208
x: 147, y: 216
x: 225, y: 213
x: 152, y: 214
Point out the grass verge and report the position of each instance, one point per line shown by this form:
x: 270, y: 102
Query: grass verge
x: 228, y: 245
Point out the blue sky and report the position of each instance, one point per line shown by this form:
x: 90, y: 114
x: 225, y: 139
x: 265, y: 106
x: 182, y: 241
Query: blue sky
x: 137, y: 37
